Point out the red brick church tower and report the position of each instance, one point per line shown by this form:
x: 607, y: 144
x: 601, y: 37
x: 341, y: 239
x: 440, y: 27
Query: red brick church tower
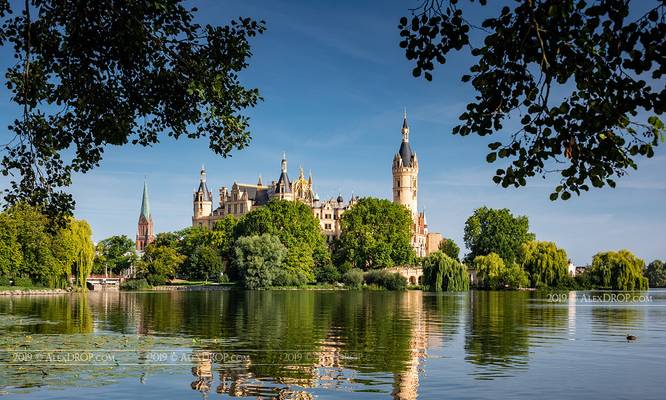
x: 145, y: 234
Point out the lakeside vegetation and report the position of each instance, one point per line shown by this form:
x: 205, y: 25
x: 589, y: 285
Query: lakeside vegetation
x: 281, y: 246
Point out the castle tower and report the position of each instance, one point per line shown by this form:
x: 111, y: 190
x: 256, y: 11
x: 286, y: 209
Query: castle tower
x: 145, y: 233
x: 203, y: 199
x: 405, y: 173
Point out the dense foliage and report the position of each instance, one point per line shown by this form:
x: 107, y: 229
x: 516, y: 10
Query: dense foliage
x: 492, y: 273
x: 442, y: 272
x: 497, y: 231
x: 450, y: 248
x: 545, y: 263
x: 205, y: 263
x: 385, y: 279
x: 31, y: 253
x: 294, y: 224
x: 91, y: 74
x: 259, y: 260
x: 114, y: 254
x: 375, y: 234
x: 159, y: 264
x: 656, y: 274
x: 584, y: 78
x: 619, y: 270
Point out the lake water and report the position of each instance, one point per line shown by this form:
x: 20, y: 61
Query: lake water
x: 333, y: 344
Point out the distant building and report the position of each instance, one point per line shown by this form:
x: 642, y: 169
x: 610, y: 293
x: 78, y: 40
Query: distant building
x: 243, y: 198
x: 572, y: 269
x: 145, y: 231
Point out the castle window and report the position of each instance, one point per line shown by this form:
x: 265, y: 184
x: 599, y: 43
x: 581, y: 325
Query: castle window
x: 241, y: 208
x: 229, y: 209
x: 327, y: 226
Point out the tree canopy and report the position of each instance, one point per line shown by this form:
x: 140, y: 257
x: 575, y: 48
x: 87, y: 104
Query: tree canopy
x: 376, y: 233
x: 293, y: 223
x: 491, y: 230
x: 450, y: 248
x: 656, y: 274
x: 492, y: 273
x: 441, y: 272
x: 114, y: 254
x: 92, y: 74
x: 582, y: 78
x: 619, y: 270
x: 544, y: 262
x: 259, y: 259
x: 31, y: 252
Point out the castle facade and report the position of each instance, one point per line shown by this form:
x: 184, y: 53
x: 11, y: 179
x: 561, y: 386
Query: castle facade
x: 243, y: 198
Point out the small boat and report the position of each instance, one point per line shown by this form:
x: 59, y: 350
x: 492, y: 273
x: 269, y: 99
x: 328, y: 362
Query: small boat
x: 631, y: 337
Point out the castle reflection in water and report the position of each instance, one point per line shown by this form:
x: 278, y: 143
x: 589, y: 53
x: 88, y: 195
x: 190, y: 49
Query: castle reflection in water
x: 297, y: 344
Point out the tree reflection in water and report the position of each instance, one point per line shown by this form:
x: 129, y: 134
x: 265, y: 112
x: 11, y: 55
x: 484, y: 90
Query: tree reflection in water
x: 278, y: 343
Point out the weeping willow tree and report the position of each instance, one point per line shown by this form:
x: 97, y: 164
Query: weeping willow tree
x: 74, y: 251
x: 441, y: 272
x: 619, y: 270
x: 544, y: 262
x: 84, y: 252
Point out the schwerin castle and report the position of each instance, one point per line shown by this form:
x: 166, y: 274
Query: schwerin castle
x: 243, y: 198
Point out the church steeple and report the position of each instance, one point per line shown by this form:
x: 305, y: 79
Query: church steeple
x: 145, y: 203
x: 145, y: 231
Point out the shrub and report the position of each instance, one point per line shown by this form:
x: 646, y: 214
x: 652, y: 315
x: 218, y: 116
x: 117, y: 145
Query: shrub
x: 353, y: 278
x: 327, y: 273
x: 5, y: 281
x: 135, y: 284
x: 385, y: 279
x: 23, y: 281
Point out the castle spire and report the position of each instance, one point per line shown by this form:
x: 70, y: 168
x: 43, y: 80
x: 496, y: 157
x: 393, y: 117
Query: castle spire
x: 405, y: 127
x: 284, y: 162
x: 202, y: 174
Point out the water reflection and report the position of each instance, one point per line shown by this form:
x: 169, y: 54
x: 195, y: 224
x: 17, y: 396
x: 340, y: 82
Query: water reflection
x: 292, y: 344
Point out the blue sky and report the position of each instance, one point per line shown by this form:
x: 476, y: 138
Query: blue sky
x: 334, y: 83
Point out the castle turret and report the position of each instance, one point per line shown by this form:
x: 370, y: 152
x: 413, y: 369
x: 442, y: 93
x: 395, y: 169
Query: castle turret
x: 203, y: 198
x: 145, y: 231
x: 405, y: 173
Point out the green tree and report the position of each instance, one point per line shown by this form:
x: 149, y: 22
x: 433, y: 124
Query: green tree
x: 376, y: 233
x: 450, y: 248
x: 493, y: 273
x: 259, y: 259
x: 489, y: 270
x: 491, y: 230
x: 41, y: 255
x: 442, y: 272
x: 297, y: 229
x: 579, y: 75
x: 159, y: 264
x: 39, y: 265
x: 544, y: 262
x: 515, y: 277
x: 108, y: 73
x: 11, y: 257
x: 656, y: 274
x: 115, y: 254
x: 205, y: 263
x: 619, y: 270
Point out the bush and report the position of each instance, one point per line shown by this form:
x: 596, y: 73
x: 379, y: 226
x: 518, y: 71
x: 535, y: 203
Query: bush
x: 327, y: 273
x: 5, y: 281
x: 441, y: 272
x: 353, y: 278
x: 385, y: 279
x: 23, y: 281
x: 135, y: 284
